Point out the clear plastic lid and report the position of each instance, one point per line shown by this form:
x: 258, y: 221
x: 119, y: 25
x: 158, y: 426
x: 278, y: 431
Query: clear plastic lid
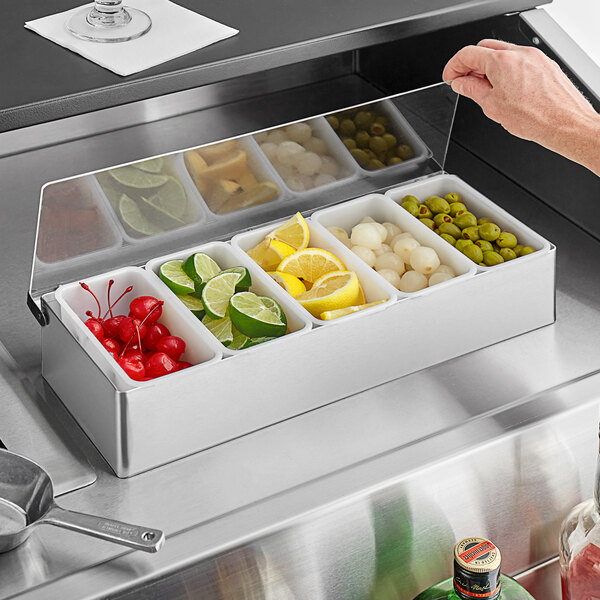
x: 101, y: 221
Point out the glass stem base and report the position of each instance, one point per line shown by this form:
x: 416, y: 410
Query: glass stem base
x: 119, y: 26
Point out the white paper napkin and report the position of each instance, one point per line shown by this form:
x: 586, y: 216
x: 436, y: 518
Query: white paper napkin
x: 175, y: 31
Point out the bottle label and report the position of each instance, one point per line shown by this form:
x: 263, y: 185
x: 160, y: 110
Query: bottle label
x: 478, y: 552
x: 473, y: 589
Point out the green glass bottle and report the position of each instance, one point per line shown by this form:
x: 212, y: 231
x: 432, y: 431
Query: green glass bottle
x: 476, y: 576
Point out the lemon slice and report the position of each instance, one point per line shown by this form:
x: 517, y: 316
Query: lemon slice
x: 335, y: 290
x: 310, y: 264
x: 229, y: 166
x: 328, y: 315
x: 290, y: 283
x: 269, y: 253
x: 362, y: 299
x: 135, y: 178
x: 257, y: 316
x: 152, y: 165
x: 216, y: 151
x: 132, y: 217
x: 293, y: 232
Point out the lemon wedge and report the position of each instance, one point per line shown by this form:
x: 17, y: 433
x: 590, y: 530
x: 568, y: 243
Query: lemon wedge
x: 310, y: 264
x: 333, y: 291
x: 290, y: 283
x: 293, y: 232
x: 269, y: 253
x: 328, y: 315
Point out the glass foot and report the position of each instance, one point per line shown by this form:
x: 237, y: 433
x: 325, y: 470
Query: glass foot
x: 121, y: 26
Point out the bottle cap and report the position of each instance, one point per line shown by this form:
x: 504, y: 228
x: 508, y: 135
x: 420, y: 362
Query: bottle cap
x: 476, y: 569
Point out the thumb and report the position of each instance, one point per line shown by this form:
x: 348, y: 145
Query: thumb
x: 471, y: 86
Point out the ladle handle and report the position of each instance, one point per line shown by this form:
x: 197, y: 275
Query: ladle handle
x: 134, y: 536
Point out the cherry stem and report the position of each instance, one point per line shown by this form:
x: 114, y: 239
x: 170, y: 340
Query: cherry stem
x: 86, y: 287
x: 110, y: 284
x: 137, y: 327
x: 90, y: 314
x: 116, y: 301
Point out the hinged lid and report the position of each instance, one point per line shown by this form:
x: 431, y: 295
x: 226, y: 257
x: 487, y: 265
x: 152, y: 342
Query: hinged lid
x: 126, y: 215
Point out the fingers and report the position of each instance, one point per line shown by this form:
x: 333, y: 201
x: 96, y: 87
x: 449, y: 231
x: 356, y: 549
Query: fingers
x: 497, y: 45
x: 471, y: 86
x: 468, y: 60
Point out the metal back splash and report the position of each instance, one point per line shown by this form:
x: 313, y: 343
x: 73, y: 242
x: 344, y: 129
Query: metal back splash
x: 124, y: 215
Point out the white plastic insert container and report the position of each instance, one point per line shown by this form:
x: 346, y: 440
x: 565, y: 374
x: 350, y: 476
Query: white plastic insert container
x: 335, y: 149
x: 193, y: 216
x: 373, y: 284
x: 257, y: 163
x: 383, y: 209
x: 226, y: 256
x: 480, y: 206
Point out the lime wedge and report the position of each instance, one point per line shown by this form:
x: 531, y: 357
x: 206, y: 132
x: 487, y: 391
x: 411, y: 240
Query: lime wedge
x: 240, y: 341
x: 133, y: 218
x: 152, y: 165
x: 201, y: 267
x: 193, y: 304
x: 135, y: 178
x: 159, y: 216
x: 170, y: 198
x: 257, y: 316
x: 173, y: 275
x: 244, y: 282
x: 260, y: 340
x: 220, y: 328
x: 217, y: 292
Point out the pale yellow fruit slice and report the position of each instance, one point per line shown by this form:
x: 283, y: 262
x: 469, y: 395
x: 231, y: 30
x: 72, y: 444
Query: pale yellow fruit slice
x: 335, y: 290
x: 310, y: 264
x: 217, y: 151
x: 229, y: 166
x: 328, y: 315
x: 269, y: 253
x: 293, y: 232
x: 290, y: 283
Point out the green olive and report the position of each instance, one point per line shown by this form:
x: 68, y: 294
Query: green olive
x: 450, y: 229
x: 394, y: 160
x: 377, y: 144
x: 437, y: 205
x: 461, y: 244
x: 411, y: 205
x: 517, y: 249
x: 425, y: 212
x: 492, y: 258
x: 376, y: 129
x: 471, y: 233
x: 473, y: 252
x: 428, y: 222
x: 333, y: 121
x: 456, y: 208
x: 440, y: 218
x: 506, y: 240
x: 526, y: 250
x: 448, y: 238
x: 452, y: 197
x: 484, y: 245
x: 375, y: 164
x: 483, y: 220
x: 466, y: 219
x: 347, y: 127
x: 404, y: 151
x: 489, y: 231
x: 350, y: 143
x: 382, y: 119
x: 360, y: 156
x: 362, y: 139
x: 363, y: 119
x: 507, y: 253
x: 390, y: 140
x: 410, y: 197
x: 369, y: 153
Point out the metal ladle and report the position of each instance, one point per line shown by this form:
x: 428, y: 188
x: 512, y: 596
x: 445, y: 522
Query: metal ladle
x: 27, y: 500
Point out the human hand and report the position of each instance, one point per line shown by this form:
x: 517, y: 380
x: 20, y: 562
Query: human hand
x: 529, y: 95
